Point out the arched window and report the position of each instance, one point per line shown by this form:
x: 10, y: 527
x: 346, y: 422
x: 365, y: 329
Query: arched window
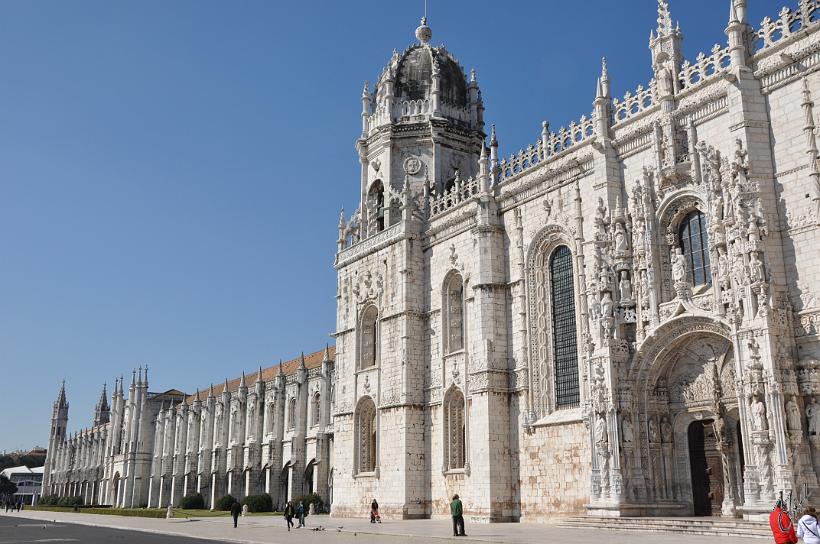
x: 454, y: 313
x: 564, y: 341
x: 369, y: 339
x: 375, y: 207
x: 316, y: 408
x: 292, y: 413
x: 366, y: 435
x: 454, y: 431
x: 693, y: 239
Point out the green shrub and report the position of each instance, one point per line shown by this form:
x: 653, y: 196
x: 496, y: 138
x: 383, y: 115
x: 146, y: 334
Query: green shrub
x: 134, y: 512
x: 49, y: 500
x: 311, y: 498
x: 224, y: 503
x: 70, y: 501
x: 259, y: 503
x: 194, y: 501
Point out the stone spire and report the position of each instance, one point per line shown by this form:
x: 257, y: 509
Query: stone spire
x: 61, y: 400
x: 242, y: 384
x: 259, y: 375
x: 811, y: 145
x: 102, y: 412
x: 664, y: 18
x: 211, y: 391
x: 326, y: 356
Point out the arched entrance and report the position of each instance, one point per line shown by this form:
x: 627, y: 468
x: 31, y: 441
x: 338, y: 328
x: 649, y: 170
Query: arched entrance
x: 116, y: 489
x: 284, y: 481
x: 688, y: 410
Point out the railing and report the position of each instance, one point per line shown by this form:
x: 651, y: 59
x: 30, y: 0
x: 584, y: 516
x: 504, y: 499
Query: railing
x: 633, y: 104
x: 550, y: 144
x: 461, y: 191
x: 789, y: 23
x: 705, y: 67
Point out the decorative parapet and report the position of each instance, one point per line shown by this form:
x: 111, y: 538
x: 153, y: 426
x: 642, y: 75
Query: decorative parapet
x: 368, y: 245
x: 551, y: 144
x: 705, y: 68
x: 460, y: 192
x: 788, y: 24
x: 634, y: 104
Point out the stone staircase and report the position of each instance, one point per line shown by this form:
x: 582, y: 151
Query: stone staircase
x: 688, y: 526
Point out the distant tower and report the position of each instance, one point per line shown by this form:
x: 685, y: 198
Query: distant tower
x: 102, y: 411
x: 59, y: 423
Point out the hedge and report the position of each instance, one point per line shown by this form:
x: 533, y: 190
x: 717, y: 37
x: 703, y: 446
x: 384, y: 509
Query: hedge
x: 311, y: 498
x: 259, y: 503
x: 194, y: 501
x: 224, y: 503
x: 133, y: 512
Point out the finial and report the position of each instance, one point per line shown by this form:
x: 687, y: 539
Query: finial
x: 366, y: 90
x: 259, y: 376
x: 493, y: 139
x: 423, y: 32
x: 473, y: 78
x: 211, y: 391
x: 242, y: 380
x: 145, y: 381
x: 281, y: 368
x: 664, y: 18
x: 139, y: 379
x: 225, y: 389
x: 133, y: 376
x: 196, y: 397
x: 302, y: 360
x: 327, y: 353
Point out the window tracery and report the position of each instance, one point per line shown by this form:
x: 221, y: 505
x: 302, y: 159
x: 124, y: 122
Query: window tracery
x: 368, y: 352
x: 454, y: 430
x: 454, y: 313
x: 565, y: 348
x: 693, y: 240
x: 292, y: 413
x: 366, y: 436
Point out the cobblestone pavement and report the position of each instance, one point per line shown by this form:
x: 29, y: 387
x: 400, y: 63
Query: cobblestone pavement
x: 272, y: 530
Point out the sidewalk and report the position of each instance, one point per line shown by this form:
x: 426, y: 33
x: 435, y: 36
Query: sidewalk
x: 272, y: 530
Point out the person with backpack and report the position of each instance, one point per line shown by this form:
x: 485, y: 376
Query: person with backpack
x: 289, y: 511
x: 300, y: 514
x: 807, y: 528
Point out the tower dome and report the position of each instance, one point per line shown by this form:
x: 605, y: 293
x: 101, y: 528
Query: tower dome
x: 427, y: 80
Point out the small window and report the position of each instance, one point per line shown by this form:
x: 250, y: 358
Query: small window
x: 454, y: 313
x: 369, y: 338
x: 693, y: 239
x: 292, y: 414
x: 316, y: 409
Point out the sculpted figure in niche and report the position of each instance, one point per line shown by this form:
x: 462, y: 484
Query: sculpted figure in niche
x: 723, y: 263
x: 606, y: 304
x: 813, y: 416
x: 627, y: 433
x: 653, y: 430
x: 792, y: 415
x: 728, y: 202
x: 620, y: 238
x: 601, y: 437
x: 678, y: 266
x: 666, y: 431
x: 739, y: 270
x: 753, y: 230
x: 595, y: 308
x: 756, y: 271
x: 625, y: 287
x: 759, y: 414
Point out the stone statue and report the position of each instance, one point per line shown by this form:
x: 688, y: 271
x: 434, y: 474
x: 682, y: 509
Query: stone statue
x: 606, y: 305
x: 759, y: 414
x: 813, y: 416
x: 739, y: 270
x: 753, y: 230
x: 601, y: 437
x: 756, y: 271
x: 627, y: 433
x: 666, y: 431
x: 723, y: 263
x: 595, y: 308
x: 620, y: 238
x: 625, y: 287
x: 792, y: 415
x: 653, y: 430
x: 678, y: 266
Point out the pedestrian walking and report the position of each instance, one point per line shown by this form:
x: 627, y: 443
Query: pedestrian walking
x: 300, y: 513
x: 781, y: 525
x: 807, y: 528
x: 374, y: 512
x: 20, y: 505
x: 289, y: 514
x: 457, y: 512
x: 236, y: 509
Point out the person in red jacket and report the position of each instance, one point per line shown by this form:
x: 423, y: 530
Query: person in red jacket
x: 782, y: 526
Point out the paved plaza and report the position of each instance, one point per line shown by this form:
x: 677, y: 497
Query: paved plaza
x: 56, y: 527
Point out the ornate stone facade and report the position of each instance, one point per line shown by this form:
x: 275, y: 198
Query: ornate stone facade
x: 620, y: 319
x: 151, y: 449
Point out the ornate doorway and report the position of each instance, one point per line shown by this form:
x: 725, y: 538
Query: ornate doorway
x: 707, y: 469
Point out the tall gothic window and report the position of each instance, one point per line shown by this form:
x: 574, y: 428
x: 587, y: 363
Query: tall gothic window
x: 292, y: 413
x: 369, y: 338
x: 366, y: 435
x: 565, y: 347
x: 454, y: 313
x: 316, y: 408
x: 693, y: 238
x: 375, y: 207
x: 454, y: 431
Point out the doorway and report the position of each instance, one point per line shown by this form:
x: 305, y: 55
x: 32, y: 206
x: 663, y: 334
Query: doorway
x: 707, y: 469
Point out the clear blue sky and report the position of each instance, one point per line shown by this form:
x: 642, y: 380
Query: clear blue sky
x: 171, y: 173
